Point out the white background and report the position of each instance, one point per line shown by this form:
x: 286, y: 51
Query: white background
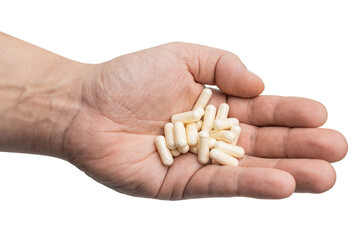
x: 299, y: 48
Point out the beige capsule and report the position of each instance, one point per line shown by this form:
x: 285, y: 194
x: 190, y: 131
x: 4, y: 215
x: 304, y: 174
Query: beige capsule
x: 184, y: 149
x: 169, y: 135
x: 223, y: 135
x: 209, y: 117
x: 227, y: 123
x: 165, y: 154
x: 212, y: 142
x: 180, y: 135
x: 236, y: 130
x: 223, y: 158
x: 203, y: 147
x: 223, y: 111
x: 175, y: 152
x: 191, y: 134
x: 233, y: 150
x: 187, y: 117
x: 203, y: 99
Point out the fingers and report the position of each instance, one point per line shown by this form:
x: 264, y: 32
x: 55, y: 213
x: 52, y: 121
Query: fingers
x: 221, y: 181
x: 218, y: 67
x: 282, y: 142
x: 276, y: 110
x: 311, y: 175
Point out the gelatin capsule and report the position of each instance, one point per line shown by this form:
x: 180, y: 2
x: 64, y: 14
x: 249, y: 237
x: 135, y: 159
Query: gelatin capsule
x: 223, y: 111
x: 180, y: 135
x: 165, y: 154
x: 230, y: 149
x: 209, y: 117
x: 223, y: 158
x: 184, y: 149
x: 203, y: 99
x: 175, y: 152
x: 223, y: 135
x: 187, y: 117
x: 191, y: 134
x: 203, y: 151
x: 226, y: 123
x: 169, y: 135
x: 236, y: 130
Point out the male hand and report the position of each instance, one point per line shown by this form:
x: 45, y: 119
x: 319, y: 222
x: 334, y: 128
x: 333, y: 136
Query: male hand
x: 126, y: 102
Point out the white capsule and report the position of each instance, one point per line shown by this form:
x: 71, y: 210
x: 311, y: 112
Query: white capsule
x: 203, y: 98
x: 230, y: 149
x: 212, y: 142
x: 203, y: 151
x: 223, y: 111
x: 214, y: 162
x: 194, y: 150
x: 198, y: 125
x: 186, y: 117
x: 223, y: 135
x: 180, y: 135
x: 236, y: 130
x: 175, y: 152
x: 191, y: 134
x: 223, y: 158
x: 169, y: 135
x: 165, y: 154
x: 209, y: 117
x: 226, y: 123
x: 184, y: 149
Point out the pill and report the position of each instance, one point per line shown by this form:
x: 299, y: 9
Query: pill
x: 203, y: 151
x: 236, y: 130
x: 223, y: 158
x: 200, y: 110
x: 164, y: 152
x: 169, y: 135
x: 180, y: 135
x: 209, y: 117
x: 230, y: 149
x: 223, y: 111
x: 226, y: 123
x: 223, y: 135
x: 214, y: 162
x: 194, y: 150
x: 186, y: 117
x: 184, y: 149
x: 198, y: 125
x: 203, y: 98
x: 212, y: 142
x: 191, y: 134
x: 175, y: 152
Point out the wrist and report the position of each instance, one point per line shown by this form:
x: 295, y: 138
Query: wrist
x: 39, y: 109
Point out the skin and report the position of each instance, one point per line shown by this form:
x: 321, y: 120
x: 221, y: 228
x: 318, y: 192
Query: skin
x: 103, y: 118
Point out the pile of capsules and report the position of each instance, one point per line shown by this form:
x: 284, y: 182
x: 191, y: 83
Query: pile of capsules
x: 204, y: 132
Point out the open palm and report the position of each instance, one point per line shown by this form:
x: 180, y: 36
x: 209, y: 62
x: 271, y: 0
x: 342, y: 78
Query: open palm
x: 127, y: 101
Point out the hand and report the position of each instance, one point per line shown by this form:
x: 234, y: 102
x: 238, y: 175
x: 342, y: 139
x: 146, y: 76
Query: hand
x: 126, y: 102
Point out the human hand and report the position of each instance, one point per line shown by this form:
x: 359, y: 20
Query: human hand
x: 126, y: 102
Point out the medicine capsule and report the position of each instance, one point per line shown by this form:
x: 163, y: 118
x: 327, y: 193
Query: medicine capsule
x: 209, y: 117
x: 223, y: 158
x: 223, y: 135
x: 184, y: 149
x: 180, y: 135
x: 198, y: 125
x: 203, y: 151
x: 236, y: 130
x: 175, y: 152
x: 226, y: 123
x: 165, y: 154
x: 169, y: 135
x: 191, y: 134
x: 203, y: 98
x: 230, y: 149
x: 212, y: 142
x: 187, y: 117
x: 223, y: 111
x: 194, y: 150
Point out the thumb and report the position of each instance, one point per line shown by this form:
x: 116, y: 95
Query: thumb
x: 221, y: 68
